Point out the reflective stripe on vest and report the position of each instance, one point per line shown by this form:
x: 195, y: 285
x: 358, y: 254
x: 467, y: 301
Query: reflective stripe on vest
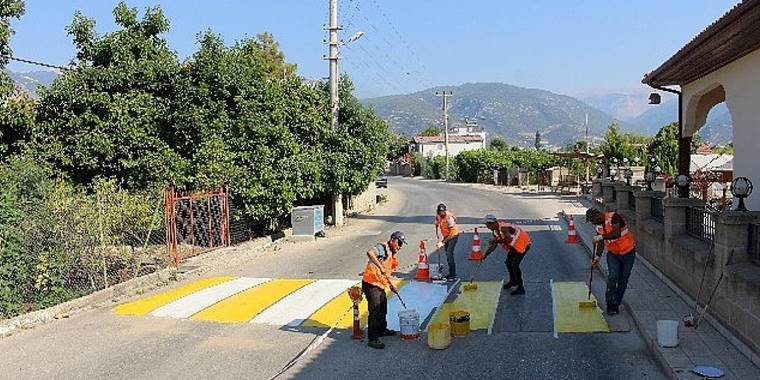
x: 443, y: 224
x: 620, y: 246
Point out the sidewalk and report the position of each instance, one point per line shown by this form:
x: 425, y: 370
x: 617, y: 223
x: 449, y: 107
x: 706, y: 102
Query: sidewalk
x: 649, y: 299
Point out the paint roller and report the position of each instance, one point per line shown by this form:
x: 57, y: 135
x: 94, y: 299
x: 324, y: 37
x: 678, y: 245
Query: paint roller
x: 470, y: 286
x: 589, y: 303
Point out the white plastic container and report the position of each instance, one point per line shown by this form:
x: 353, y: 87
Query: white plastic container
x: 667, y: 333
x: 409, y: 321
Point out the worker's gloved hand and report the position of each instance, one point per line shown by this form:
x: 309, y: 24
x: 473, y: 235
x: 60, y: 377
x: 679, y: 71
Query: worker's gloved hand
x: 439, y: 245
x: 597, y: 239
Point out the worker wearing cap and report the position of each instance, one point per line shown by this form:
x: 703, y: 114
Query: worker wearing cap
x: 382, y: 262
x: 516, y: 242
x: 447, y: 231
x: 621, y: 253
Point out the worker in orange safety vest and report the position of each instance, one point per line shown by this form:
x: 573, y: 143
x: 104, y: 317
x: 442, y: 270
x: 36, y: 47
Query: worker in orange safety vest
x: 621, y: 253
x: 381, y: 264
x: 516, y: 242
x: 447, y: 230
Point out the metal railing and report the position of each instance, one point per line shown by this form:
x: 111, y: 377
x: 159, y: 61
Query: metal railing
x: 657, y: 209
x: 700, y: 224
x: 631, y: 201
x: 753, y: 247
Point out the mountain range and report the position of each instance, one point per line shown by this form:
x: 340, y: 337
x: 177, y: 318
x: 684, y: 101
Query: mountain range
x: 516, y: 113
x: 30, y: 80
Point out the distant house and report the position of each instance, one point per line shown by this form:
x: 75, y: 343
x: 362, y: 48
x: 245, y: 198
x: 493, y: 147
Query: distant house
x: 432, y: 146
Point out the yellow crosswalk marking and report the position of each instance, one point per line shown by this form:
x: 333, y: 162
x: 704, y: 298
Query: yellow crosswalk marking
x: 146, y: 305
x: 480, y: 303
x: 328, y: 314
x: 243, y: 306
x: 568, y: 317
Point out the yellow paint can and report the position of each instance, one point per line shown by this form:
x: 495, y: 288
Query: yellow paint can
x: 439, y: 336
x: 460, y: 323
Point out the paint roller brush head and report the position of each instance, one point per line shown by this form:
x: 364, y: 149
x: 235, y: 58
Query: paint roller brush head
x: 587, y: 304
x: 470, y: 287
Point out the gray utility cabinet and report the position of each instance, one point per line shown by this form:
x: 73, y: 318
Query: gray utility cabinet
x: 308, y: 220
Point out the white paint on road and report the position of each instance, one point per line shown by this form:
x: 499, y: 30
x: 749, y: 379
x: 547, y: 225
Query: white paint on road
x: 554, y: 309
x: 298, y: 306
x: 423, y: 297
x: 186, y: 306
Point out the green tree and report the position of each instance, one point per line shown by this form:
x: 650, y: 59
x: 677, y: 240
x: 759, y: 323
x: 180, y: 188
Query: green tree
x: 108, y: 117
x: 538, y: 140
x: 9, y: 9
x: 398, y: 145
x: 431, y: 130
x: 497, y: 143
x: 16, y: 111
x: 620, y: 145
x: 664, y: 147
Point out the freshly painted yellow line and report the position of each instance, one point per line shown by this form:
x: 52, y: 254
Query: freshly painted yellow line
x: 328, y: 315
x: 243, y: 306
x: 568, y: 317
x: 146, y: 305
x: 480, y: 303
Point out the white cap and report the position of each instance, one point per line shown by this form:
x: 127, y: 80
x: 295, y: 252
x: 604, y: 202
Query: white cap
x: 490, y: 218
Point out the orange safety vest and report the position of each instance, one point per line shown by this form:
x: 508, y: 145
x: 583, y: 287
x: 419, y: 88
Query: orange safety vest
x: 520, y: 240
x: 372, y: 273
x: 620, y: 246
x: 443, y: 224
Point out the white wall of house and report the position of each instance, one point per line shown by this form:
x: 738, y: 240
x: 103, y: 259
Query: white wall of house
x: 439, y: 149
x: 740, y: 81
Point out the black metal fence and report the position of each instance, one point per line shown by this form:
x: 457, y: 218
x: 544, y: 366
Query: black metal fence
x: 657, y: 209
x: 700, y: 224
x: 631, y: 201
x: 754, y: 243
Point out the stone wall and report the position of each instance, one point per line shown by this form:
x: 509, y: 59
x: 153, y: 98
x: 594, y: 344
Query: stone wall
x: 681, y: 257
x: 366, y: 201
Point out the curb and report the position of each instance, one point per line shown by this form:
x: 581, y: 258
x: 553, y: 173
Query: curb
x: 653, y: 348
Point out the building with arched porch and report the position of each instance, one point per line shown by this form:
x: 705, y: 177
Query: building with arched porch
x: 720, y: 64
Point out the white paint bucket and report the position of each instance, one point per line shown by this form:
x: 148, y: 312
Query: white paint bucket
x: 667, y: 333
x: 409, y: 321
x: 435, y: 271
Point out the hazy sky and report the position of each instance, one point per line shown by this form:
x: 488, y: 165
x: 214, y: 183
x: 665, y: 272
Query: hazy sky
x: 569, y: 47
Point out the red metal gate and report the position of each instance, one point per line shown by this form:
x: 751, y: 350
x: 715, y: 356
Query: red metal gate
x: 196, y: 222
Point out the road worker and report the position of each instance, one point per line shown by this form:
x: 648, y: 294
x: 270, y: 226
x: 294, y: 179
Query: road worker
x: 621, y: 253
x: 447, y: 231
x: 516, y: 242
x: 382, y: 262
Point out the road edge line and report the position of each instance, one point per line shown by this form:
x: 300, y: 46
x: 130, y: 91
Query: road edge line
x: 498, y: 298
x: 554, y: 311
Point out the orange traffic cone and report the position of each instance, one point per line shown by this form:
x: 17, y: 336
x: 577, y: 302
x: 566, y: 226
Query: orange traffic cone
x: 572, y: 234
x: 475, y: 254
x: 423, y: 270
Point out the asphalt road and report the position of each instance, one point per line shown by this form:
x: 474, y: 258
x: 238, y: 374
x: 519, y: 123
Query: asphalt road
x: 99, y: 344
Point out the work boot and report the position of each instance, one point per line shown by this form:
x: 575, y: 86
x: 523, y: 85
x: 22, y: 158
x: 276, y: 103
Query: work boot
x: 519, y: 291
x: 451, y: 278
x: 612, y: 309
x: 508, y: 285
x: 376, y: 344
x: 389, y: 332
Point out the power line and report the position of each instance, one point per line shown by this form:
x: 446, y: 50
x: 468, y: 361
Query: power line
x: 36, y: 63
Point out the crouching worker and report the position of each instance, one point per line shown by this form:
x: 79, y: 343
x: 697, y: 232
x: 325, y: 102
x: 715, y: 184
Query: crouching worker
x: 382, y: 262
x: 516, y: 242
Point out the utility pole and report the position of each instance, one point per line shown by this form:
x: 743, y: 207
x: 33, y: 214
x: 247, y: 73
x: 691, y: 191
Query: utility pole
x: 445, y: 95
x: 333, y: 28
x: 333, y: 58
x: 588, y: 149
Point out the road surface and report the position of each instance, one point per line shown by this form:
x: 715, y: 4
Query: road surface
x: 523, y: 344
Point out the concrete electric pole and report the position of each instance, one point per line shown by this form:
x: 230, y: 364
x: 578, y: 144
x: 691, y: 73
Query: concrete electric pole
x: 445, y: 95
x: 588, y: 149
x: 333, y: 28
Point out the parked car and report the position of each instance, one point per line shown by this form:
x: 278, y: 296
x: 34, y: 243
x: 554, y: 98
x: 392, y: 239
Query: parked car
x: 381, y: 181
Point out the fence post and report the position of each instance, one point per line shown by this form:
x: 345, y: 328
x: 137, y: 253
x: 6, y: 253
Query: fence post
x: 171, y: 224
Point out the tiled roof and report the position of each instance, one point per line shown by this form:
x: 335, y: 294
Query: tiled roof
x: 452, y: 139
x: 734, y: 35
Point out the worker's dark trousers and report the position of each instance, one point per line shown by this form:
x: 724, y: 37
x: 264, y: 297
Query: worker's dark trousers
x: 450, y: 246
x: 378, y: 308
x: 620, y: 270
x: 513, y: 266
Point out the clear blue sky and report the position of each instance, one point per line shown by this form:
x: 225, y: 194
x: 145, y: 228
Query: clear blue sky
x: 569, y: 47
